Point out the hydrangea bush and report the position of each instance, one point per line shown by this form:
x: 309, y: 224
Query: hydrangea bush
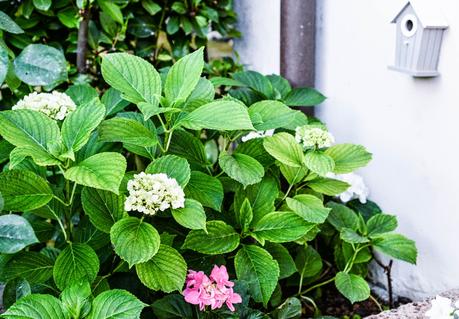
x: 130, y: 199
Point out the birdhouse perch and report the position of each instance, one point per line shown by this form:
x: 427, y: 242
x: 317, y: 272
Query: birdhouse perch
x: 419, y: 33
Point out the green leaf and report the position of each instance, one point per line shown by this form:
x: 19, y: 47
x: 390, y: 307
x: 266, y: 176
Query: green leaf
x: 350, y: 236
x: 284, y: 148
x: 7, y: 24
x: 348, y: 157
x: 328, y: 186
x: 31, y: 266
x: 82, y: 93
x: 14, y: 290
x: 254, y: 148
x: 43, y: 5
x: 78, y: 126
x: 37, y: 306
x: 183, y: 77
x: 245, y: 215
x: 219, y: 81
x: 203, y: 93
x: 24, y: 190
x: 261, y: 197
x: 149, y: 151
x: 281, y: 227
x: 104, y: 208
x: 101, y: 171
x: 179, y: 7
x: 192, y: 216
x: 4, y: 61
x: 76, y: 263
x: 116, y: 304
x: 319, y: 162
x: 293, y: 175
x: 258, y: 268
x: 151, y: 7
x: 126, y: 130
x: 380, y: 224
x: 242, y: 168
x: 113, y: 101
x: 397, y: 246
x: 112, y: 10
x: 31, y: 131
x: 219, y: 239
x: 309, y: 207
x: 135, y: 78
x: 40, y: 64
x: 290, y: 308
x: 255, y: 81
x: 304, y: 97
x: 342, y: 217
x: 188, y: 146
x: 353, y: 287
x: 173, y: 166
x: 134, y: 241
x: 223, y: 115
x: 171, y: 307
x: 166, y: 271
x: 75, y: 299
x: 267, y: 115
x: 206, y: 189
x: 308, y: 262
x: 280, y: 84
x: 284, y: 259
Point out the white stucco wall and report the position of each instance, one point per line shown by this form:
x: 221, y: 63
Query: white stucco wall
x: 259, y: 46
x: 410, y: 125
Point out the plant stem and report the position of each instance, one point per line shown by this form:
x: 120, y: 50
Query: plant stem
x: 376, y: 302
x: 169, y: 138
x: 317, y: 286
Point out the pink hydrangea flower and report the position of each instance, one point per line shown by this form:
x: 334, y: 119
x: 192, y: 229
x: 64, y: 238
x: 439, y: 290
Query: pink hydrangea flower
x: 214, y: 291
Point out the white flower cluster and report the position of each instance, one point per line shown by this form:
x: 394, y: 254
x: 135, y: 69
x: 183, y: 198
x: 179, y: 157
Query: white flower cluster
x: 442, y: 308
x: 150, y: 193
x: 258, y: 134
x: 56, y: 105
x: 358, y: 189
x: 312, y: 136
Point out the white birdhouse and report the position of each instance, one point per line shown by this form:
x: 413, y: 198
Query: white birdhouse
x: 419, y: 35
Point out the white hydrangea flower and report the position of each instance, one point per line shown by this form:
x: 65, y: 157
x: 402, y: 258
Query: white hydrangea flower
x: 150, y: 193
x: 313, y: 136
x: 258, y: 134
x: 358, y: 189
x: 56, y: 105
x: 441, y: 309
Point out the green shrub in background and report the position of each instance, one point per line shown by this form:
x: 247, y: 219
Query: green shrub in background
x: 77, y: 226
x: 47, y: 43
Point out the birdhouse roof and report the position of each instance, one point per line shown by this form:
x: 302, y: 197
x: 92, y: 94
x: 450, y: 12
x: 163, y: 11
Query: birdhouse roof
x: 427, y: 12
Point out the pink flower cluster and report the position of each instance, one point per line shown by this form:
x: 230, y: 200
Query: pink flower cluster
x: 213, y: 291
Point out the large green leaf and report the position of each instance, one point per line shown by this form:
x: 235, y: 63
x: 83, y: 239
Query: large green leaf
x: 78, y: 126
x: 14, y: 290
x: 280, y: 227
x: 309, y: 207
x: 183, y: 77
x: 126, y: 130
x: 113, y: 101
x: 352, y: 237
x: 7, y: 24
x: 104, y: 208
x: 102, y: 171
x: 281, y: 254
x: 149, y: 151
x: 76, y: 299
x: 348, y: 157
x: 342, y: 217
x: 244, y: 215
x: 224, y: 115
x: 4, y: 61
x: 219, y: 239
x: 258, y: 268
x: 15, y: 234
x: 30, y: 131
x: 116, y: 304
x: 172, y: 306
x: 40, y: 64
x: 242, y: 168
x: 284, y: 148
x: 304, y: 97
x: 255, y: 81
x: 206, y: 189
x: 381, y: 224
x: 135, y: 78
x: 188, y: 146
x: 111, y: 9
x: 319, y: 162
x: 24, y: 190
x: 308, y: 262
x: 76, y: 263
x: 173, y: 166
x: 328, y: 186
x: 82, y: 93
x: 280, y: 84
x: 32, y: 266
x: 134, y: 241
x: 37, y: 306
x: 267, y: 115
x: 203, y: 93
x: 353, y: 287
x: 254, y: 148
x: 191, y: 216
x: 166, y: 271
x: 397, y: 246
